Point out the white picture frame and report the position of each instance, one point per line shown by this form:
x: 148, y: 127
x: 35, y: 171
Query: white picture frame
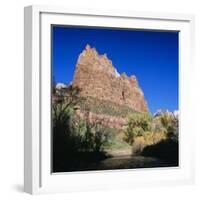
x: 37, y: 138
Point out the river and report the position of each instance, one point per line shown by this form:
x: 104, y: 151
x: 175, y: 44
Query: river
x: 119, y: 162
x: 129, y: 162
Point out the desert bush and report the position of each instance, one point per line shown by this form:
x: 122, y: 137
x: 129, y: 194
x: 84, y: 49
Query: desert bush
x: 115, y: 143
x: 157, y: 137
x: 138, y: 125
x: 143, y: 130
x: 138, y: 145
x: 169, y: 125
x: 96, y: 135
x: 157, y: 126
x: 149, y: 138
x: 73, y: 134
x: 165, y: 138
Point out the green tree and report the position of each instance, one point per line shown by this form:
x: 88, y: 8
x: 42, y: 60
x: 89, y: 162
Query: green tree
x: 138, y: 125
x: 170, y: 123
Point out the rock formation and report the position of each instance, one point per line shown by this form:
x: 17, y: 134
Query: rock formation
x: 97, y: 78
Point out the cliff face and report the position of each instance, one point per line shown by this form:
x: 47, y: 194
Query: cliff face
x: 97, y: 78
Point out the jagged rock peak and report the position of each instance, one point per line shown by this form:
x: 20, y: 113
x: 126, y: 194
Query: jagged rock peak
x: 91, y: 54
x: 124, y: 75
x: 88, y: 54
x: 87, y: 47
x: 90, y: 57
x: 96, y: 76
x: 133, y: 80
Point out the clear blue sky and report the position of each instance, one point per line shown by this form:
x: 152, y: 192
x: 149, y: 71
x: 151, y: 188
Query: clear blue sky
x: 149, y: 55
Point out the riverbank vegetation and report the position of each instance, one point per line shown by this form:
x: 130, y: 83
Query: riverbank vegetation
x: 153, y: 136
x: 78, y: 143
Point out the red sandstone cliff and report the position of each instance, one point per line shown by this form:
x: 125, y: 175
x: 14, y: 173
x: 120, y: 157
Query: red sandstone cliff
x: 97, y: 78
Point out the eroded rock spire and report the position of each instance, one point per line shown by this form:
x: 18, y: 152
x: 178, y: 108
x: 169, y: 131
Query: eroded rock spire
x: 96, y: 76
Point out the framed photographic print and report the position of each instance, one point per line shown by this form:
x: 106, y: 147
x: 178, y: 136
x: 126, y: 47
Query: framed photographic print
x: 108, y: 99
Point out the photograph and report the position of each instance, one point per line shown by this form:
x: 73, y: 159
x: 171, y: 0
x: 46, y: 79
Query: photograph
x: 114, y: 98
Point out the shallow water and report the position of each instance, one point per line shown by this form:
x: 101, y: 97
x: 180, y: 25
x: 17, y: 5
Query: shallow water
x: 129, y: 162
x: 119, y: 162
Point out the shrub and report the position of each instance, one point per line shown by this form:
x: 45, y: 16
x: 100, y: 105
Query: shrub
x: 83, y: 135
x: 157, y: 126
x: 143, y: 130
x: 100, y: 106
x: 138, y: 125
x: 138, y: 145
x: 157, y: 137
x: 169, y: 125
x: 149, y: 138
x: 115, y: 143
